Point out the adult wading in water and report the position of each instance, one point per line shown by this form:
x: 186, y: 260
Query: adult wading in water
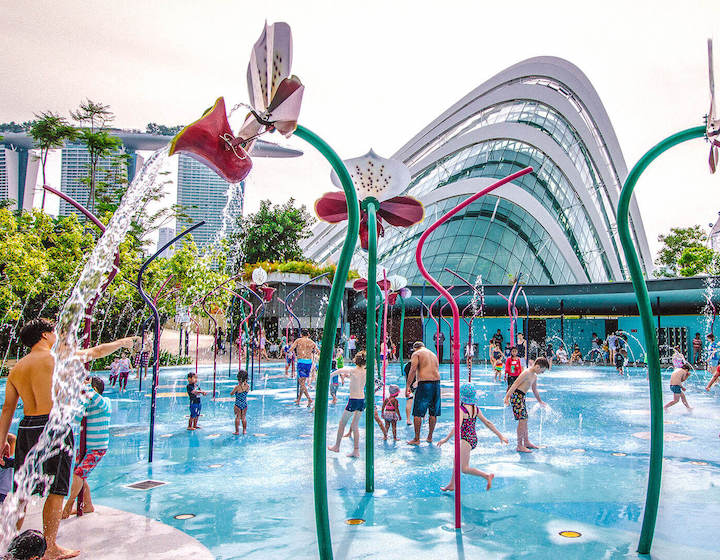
x: 424, y: 366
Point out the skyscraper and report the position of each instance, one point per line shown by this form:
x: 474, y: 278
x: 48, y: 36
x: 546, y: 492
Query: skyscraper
x: 165, y: 234
x: 18, y: 171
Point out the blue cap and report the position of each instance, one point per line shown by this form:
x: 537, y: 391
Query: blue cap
x: 468, y: 394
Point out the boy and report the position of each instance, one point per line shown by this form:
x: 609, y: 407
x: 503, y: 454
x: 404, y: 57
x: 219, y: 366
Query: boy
x: 6, y: 470
x: 620, y: 356
x: 496, y: 356
x: 516, y: 395
x: 676, y: 380
x: 28, y: 545
x: 97, y: 410
x: 194, y: 392
x: 513, y: 366
x: 338, y: 363
x: 355, y: 405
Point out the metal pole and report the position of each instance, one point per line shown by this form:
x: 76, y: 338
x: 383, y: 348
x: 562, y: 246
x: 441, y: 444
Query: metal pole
x: 371, y: 205
x: 402, y: 332
x: 652, y: 498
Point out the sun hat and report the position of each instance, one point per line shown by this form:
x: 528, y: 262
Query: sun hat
x: 468, y: 394
x: 394, y: 390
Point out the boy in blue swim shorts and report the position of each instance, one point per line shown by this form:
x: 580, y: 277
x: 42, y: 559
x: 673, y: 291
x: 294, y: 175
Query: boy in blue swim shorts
x: 194, y: 392
x: 355, y: 405
x: 677, y: 378
x: 304, y: 348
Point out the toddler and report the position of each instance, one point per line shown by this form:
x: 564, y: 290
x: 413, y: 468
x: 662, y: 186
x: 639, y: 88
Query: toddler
x: 240, y: 391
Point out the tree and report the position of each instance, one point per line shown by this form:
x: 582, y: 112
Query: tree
x: 99, y: 143
x: 674, y: 244
x: 161, y: 129
x: 50, y: 131
x: 699, y: 260
x: 12, y: 126
x: 273, y: 233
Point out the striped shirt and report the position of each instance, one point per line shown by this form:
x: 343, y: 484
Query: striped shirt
x: 97, y: 411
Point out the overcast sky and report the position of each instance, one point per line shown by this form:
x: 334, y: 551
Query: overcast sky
x: 375, y: 73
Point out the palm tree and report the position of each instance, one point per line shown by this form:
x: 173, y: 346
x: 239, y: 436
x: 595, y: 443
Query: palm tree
x: 50, y: 131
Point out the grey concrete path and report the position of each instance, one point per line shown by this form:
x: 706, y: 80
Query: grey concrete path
x: 112, y: 534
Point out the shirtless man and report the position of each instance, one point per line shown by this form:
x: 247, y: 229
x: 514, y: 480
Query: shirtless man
x: 355, y: 405
x: 516, y: 395
x: 31, y: 381
x: 424, y: 366
x: 304, y: 348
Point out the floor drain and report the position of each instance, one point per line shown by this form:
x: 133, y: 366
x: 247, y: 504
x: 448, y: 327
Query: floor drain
x: 570, y: 534
x: 145, y: 485
x: 213, y: 436
x: 215, y: 466
x: 184, y: 516
x: 578, y: 451
x: 355, y: 521
x: 698, y: 463
x: 618, y: 454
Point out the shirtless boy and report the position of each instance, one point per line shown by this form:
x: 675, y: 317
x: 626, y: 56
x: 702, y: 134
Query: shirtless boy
x: 304, y: 348
x: 355, y: 405
x: 516, y: 396
x: 676, y: 386
x: 425, y: 367
x: 31, y: 381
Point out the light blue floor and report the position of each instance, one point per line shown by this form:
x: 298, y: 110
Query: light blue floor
x: 252, y: 495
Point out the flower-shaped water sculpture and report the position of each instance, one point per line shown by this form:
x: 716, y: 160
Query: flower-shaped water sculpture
x: 712, y: 125
x: 378, y: 179
x: 275, y: 97
x: 259, y: 277
x: 398, y: 288
x: 361, y: 285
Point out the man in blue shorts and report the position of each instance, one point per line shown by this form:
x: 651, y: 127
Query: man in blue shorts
x: 304, y: 348
x: 425, y: 367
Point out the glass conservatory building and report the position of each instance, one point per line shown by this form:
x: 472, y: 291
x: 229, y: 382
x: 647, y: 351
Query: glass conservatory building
x: 555, y: 225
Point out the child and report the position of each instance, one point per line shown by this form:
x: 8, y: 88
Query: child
x: 714, y: 379
x: 516, y: 396
x: 114, y: 371
x: 28, y: 545
x: 498, y: 359
x: 194, y: 392
x: 338, y: 363
x: 391, y: 411
x: 676, y: 380
x: 289, y: 361
x: 123, y: 371
x: 469, y: 413
x: 513, y: 366
x: 240, y: 391
x: 677, y: 358
x: 355, y: 405
x: 620, y: 356
x: 6, y: 470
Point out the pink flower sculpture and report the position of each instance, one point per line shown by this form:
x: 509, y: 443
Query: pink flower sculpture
x: 375, y: 178
x: 361, y: 285
x: 275, y: 97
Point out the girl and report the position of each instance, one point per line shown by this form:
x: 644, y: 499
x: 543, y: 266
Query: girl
x: 391, y: 411
x: 240, y: 391
x: 114, y: 371
x: 498, y: 361
x: 469, y: 413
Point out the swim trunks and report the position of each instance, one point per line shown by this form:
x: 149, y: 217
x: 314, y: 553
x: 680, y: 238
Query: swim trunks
x: 427, y: 399
x: 89, y: 462
x: 511, y: 379
x: 517, y: 400
x: 58, y: 465
x: 677, y: 389
x: 303, y: 367
x: 354, y: 405
x: 195, y: 409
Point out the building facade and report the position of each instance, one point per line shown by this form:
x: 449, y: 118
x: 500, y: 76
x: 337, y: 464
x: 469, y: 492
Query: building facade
x: 555, y: 225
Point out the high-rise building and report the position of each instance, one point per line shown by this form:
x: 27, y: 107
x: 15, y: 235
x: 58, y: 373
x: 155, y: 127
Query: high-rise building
x: 165, y: 234
x: 714, y: 237
x: 18, y: 171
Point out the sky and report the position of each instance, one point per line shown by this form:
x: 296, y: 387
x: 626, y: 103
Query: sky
x: 376, y: 72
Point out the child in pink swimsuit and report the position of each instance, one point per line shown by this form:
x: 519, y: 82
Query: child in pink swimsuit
x: 391, y: 410
x: 469, y: 413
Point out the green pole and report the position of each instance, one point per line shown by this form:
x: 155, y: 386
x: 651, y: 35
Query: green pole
x: 402, y: 331
x: 371, y: 205
x: 322, y: 523
x: 378, y: 342
x: 652, y: 497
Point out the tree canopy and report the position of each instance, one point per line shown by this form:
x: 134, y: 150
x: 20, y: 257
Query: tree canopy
x: 674, y: 244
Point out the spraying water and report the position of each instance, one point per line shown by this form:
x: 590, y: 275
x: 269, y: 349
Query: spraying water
x: 69, y: 370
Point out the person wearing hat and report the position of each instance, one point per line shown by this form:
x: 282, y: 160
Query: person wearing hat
x: 391, y: 411
x: 469, y: 414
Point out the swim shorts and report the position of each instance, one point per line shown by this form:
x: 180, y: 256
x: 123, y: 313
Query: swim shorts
x: 354, y: 405
x: 303, y: 367
x: 517, y: 400
x: 427, y: 399
x: 677, y: 389
x: 57, y: 466
x: 89, y: 462
x: 195, y: 410
x: 511, y: 379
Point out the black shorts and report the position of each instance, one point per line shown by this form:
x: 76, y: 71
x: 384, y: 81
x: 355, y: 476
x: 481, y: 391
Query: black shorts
x: 511, y: 380
x: 427, y: 398
x: 58, y: 466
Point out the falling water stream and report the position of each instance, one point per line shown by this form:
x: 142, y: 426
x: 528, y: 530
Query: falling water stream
x: 69, y: 370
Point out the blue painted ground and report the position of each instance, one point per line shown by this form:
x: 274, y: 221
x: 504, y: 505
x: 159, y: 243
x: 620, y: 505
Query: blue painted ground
x: 252, y: 495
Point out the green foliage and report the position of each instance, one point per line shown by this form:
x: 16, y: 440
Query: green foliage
x: 154, y: 128
x: 273, y: 233
x: 12, y: 126
x: 699, y: 260
x: 295, y: 267
x: 50, y: 131
x: 674, y: 244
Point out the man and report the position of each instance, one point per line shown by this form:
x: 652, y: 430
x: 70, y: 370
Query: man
x: 522, y: 349
x: 352, y: 345
x: 31, y: 381
x: 697, y: 347
x: 425, y: 367
x: 439, y: 340
x: 304, y: 348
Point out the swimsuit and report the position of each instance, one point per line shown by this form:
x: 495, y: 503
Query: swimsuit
x: 467, y: 429
x: 241, y: 400
x: 58, y: 466
x: 303, y: 367
x: 89, y: 462
x: 355, y: 405
x: 390, y: 414
x: 517, y: 400
x: 677, y: 389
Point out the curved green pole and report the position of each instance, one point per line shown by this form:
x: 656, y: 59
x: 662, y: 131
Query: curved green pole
x: 652, y: 497
x: 322, y: 523
x: 371, y: 205
x: 378, y: 335
x: 402, y: 330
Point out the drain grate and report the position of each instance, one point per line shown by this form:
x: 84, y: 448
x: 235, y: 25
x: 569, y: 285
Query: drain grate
x: 145, y: 484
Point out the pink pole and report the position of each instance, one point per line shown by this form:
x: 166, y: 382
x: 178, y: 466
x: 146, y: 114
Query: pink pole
x: 456, y: 322
x: 247, y: 318
x: 437, y: 325
x: 384, y: 346
x: 510, y: 314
